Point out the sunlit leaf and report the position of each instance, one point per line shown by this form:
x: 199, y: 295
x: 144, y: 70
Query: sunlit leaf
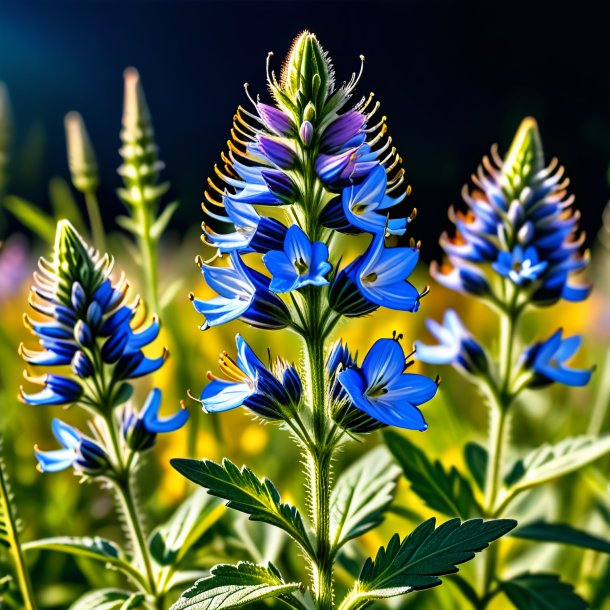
x: 542, y: 592
x: 562, y: 534
x: 31, y: 217
x: 109, y: 599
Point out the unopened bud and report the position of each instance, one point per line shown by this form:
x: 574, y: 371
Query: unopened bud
x: 81, y: 156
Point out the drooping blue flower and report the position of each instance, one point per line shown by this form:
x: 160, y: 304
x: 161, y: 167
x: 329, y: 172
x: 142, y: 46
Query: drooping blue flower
x: 87, y: 324
x: 243, y: 293
x: 520, y: 266
x: 519, y: 219
x: 456, y: 345
x: 300, y: 263
x: 80, y: 452
x: 547, y: 359
x: 140, y: 429
x: 382, y: 389
x: 251, y: 384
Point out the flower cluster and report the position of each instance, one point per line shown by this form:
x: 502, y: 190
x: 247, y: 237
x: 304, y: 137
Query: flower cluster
x: 86, y: 326
x: 327, y: 168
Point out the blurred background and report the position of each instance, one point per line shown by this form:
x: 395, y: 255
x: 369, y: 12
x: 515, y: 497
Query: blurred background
x: 453, y: 78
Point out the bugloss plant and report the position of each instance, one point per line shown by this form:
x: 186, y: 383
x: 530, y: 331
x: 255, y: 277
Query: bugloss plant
x: 517, y: 246
x: 327, y: 167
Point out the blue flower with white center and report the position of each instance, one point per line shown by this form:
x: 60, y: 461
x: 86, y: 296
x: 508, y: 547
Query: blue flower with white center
x: 519, y: 266
x: 140, y: 429
x: 547, y: 360
x: 87, y: 325
x: 80, y: 452
x: 251, y: 384
x: 456, y: 345
x: 299, y: 264
x: 243, y: 293
x: 382, y: 389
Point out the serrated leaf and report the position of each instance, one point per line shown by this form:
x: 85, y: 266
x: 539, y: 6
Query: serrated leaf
x: 170, y: 542
x: 422, y: 557
x: 31, y: 216
x: 476, y: 458
x: 361, y: 495
x: 562, y: 534
x: 96, y: 548
x: 233, y: 586
x: 163, y: 220
x: 542, y: 592
x: 109, y: 599
x: 245, y: 492
x: 448, y: 492
x: 550, y: 462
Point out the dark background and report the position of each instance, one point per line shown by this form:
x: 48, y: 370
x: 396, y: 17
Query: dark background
x: 453, y: 78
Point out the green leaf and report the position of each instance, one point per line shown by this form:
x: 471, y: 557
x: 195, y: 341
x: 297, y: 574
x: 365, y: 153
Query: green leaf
x: 109, y: 599
x: 96, y: 548
x: 170, y: 542
x: 550, y: 462
x: 245, y: 492
x: 427, y: 553
x: 31, y: 216
x: 127, y: 223
x: 562, y: 534
x: 233, y: 586
x: 445, y: 491
x: 542, y: 592
x: 476, y: 458
x: 361, y: 496
x: 163, y: 220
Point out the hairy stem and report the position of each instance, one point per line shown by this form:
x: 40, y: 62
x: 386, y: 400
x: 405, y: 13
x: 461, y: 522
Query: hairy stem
x: 95, y: 221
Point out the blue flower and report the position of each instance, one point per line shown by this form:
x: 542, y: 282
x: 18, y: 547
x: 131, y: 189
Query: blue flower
x: 300, y: 263
x: 381, y: 389
x: 140, y: 429
x: 87, y: 325
x: 547, y: 360
x: 250, y: 384
x: 243, y: 293
x: 457, y: 346
x: 82, y: 453
x: 519, y: 266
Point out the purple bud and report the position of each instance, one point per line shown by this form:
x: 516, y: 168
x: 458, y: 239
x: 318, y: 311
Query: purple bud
x: 273, y: 119
x: 342, y: 130
x: 277, y: 152
x: 278, y: 183
x: 306, y: 132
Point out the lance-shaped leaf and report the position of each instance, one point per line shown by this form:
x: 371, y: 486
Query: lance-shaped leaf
x: 417, y: 562
x: 361, y: 495
x: 96, y: 548
x: 245, y: 492
x: 233, y: 586
x: 550, y: 462
x: 445, y: 491
x: 170, y: 542
x: 561, y: 533
x: 109, y: 599
x: 542, y: 592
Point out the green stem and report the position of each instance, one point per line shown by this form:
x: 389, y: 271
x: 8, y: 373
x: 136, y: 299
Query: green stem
x: 95, y: 221
x: 148, y: 250
x: 23, y: 577
x: 602, y: 401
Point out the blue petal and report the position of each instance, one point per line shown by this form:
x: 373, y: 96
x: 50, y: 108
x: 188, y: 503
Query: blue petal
x: 284, y: 276
x: 55, y: 461
x: 150, y: 415
x: 384, y: 361
x: 220, y: 395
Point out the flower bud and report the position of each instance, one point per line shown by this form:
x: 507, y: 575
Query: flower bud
x: 306, y: 133
x: 81, y: 156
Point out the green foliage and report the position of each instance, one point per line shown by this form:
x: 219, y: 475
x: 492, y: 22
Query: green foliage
x: 562, y: 533
x: 542, y: 592
x: 476, y: 458
x: 445, y: 491
x: 361, y: 495
x: 109, y: 599
x: 233, y: 586
x: 427, y: 553
x: 245, y: 492
x: 31, y: 216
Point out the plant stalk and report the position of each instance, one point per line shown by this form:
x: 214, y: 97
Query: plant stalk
x: 95, y: 221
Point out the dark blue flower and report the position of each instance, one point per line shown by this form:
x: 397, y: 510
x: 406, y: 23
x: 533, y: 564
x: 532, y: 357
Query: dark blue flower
x: 251, y: 384
x: 87, y: 325
x: 519, y: 266
x: 140, y: 429
x: 547, y: 361
x: 80, y: 452
x: 456, y: 345
x: 382, y: 389
x: 243, y: 293
x: 300, y: 263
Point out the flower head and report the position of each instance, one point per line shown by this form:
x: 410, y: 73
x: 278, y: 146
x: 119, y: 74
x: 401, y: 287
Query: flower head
x: 547, y: 360
x: 382, y: 389
x: 520, y: 266
x: 85, y: 322
x: 82, y: 453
